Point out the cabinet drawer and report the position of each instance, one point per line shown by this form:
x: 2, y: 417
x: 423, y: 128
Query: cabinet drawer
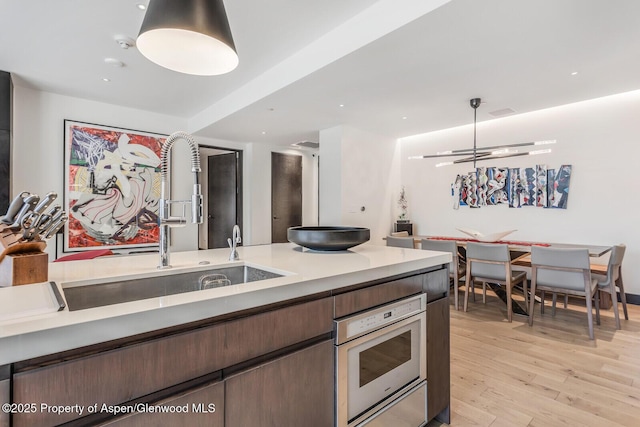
x: 294, y: 390
x: 267, y: 332
x: 352, y: 302
x: 127, y: 373
x: 202, y: 407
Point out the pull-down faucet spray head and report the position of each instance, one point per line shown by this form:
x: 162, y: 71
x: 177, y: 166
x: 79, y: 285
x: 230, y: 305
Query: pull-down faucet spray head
x: 165, y: 219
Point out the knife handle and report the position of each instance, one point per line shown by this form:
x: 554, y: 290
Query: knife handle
x: 45, y: 202
x: 55, y: 227
x: 29, y: 203
x: 14, y: 208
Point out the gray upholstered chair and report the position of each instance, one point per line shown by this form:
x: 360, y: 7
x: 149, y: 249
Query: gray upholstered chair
x: 400, y: 242
x: 491, y: 263
x: 456, y: 268
x: 565, y: 271
x: 613, y: 278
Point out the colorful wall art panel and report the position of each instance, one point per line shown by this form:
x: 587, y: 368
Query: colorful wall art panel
x: 471, y: 187
x: 456, y: 189
x: 541, y: 186
x: 528, y: 194
x: 561, y: 187
x: 517, y: 187
x: 497, y: 186
x: 112, y: 187
x: 551, y: 175
x: 482, y: 180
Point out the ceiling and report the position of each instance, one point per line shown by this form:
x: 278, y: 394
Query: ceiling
x: 397, y: 67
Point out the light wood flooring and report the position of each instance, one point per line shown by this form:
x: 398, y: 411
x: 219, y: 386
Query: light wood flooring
x: 550, y: 374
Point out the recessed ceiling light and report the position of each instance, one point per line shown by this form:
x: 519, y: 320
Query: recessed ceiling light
x: 404, y: 118
x: 574, y: 73
x: 106, y: 80
x: 264, y: 132
x: 341, y: 105
x: 141, y: 6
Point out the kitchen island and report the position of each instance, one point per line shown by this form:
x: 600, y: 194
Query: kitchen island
x: 218, y: 346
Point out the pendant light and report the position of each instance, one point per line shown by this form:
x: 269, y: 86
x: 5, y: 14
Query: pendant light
x: 188, y: 36
x: 475, y: 103
x: 476, y: 154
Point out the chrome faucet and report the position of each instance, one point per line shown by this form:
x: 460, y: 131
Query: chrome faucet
x: 165, y: 220
x: 233, y: 242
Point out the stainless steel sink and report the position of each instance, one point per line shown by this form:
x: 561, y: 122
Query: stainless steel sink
x: 101, y: 294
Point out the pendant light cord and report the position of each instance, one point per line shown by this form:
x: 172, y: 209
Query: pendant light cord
x: 475, y: 112
x: 475, y: 103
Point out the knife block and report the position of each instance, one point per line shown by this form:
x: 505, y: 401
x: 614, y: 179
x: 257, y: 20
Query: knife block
x: 23, y: 268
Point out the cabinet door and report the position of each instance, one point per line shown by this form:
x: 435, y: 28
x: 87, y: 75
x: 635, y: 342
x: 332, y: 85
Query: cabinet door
x: 201, y: 407
x: 294, y: 390
x: 128, y: 373
x: 438, y: 375
x: 4, y: 398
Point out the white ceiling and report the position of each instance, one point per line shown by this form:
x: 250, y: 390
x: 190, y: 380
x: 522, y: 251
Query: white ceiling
x: 301, y: 59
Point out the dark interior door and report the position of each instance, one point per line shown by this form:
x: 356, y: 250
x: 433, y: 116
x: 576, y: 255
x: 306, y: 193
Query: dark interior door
x: 222, y: 212
x: 286, y: 195
x: 5, y: 140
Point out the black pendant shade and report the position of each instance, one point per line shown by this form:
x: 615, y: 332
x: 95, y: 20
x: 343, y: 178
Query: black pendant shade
x: 188, y: 36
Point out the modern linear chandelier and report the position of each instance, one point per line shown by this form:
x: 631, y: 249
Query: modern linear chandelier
x: 476, y: 154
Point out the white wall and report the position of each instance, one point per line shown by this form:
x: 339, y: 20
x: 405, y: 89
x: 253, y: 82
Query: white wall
x: 258, y: 173
x: 358, y: 170
x: 38, y: 135
x: 330, y: 181
x: 598, y: 137
x: 38, y: 159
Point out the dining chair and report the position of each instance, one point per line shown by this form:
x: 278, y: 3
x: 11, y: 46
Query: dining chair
x: 457, y: 269
x: 400, y: 242
x: 565, y: 271
x: 607, y: 283
x: 491, y: 263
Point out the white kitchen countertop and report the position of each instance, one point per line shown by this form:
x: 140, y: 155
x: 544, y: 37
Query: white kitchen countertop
x: 306, y: 272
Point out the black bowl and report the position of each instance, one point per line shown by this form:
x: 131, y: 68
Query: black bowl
x: 328, y: 238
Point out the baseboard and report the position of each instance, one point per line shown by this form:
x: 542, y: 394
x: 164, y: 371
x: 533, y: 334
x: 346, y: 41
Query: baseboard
x: 632, y: 299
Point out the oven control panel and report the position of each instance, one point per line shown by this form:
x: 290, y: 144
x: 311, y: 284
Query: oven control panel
x: 363, y: 323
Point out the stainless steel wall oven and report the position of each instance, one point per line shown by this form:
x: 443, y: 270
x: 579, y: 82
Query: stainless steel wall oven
x: 381, y: 366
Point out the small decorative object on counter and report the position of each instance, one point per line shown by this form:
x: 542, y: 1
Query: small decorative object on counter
x: 403, y: 223
x: 403, y: 205
x: 487, y: 238
x: 28, y: 222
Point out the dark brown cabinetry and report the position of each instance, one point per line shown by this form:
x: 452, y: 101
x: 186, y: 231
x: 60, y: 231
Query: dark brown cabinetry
x: 132, y: 371
x: 363, y: 299
x: 5, y: 395
x: 5, y: 139
x: 438, y: 375
x: 295, y: 390
x: 202, y: 407
x: 271, y: 366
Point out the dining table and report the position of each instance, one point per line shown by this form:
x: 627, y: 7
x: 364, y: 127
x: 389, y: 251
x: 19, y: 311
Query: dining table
x: 520, y: 252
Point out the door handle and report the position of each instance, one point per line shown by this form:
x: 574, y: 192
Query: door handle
x: 275, y: 217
